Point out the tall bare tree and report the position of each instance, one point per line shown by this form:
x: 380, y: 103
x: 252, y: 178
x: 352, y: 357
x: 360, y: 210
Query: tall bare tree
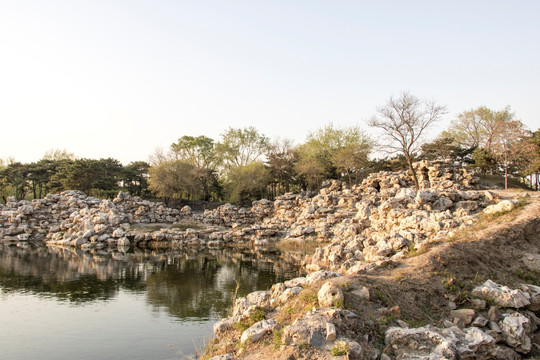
x: 403, y: 121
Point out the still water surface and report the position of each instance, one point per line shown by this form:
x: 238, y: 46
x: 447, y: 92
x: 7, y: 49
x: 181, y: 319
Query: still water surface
x: 58, y: 303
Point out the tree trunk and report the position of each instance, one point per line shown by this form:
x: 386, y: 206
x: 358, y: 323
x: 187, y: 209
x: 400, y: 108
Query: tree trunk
x: 505, y: 171
x: 416, y: 184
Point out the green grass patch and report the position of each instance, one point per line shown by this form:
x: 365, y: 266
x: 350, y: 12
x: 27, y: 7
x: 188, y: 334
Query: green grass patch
x: 381, y: 297
x: 529, y: 276
x: 277, y: 337
x: 413, y: 251
x: 388, y: 319
x: 257, y: 315
x: 339, y: 349
x: 308, y: 296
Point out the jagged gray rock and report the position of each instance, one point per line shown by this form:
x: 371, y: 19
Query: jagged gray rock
x: 502, y: 295
x: 258, y: 330
x: 503, y: 206
x: 516, y: 329
x: 430, y: 342
x: 330, y: 295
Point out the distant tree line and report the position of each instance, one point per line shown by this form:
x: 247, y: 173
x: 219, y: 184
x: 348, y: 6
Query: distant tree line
x: 493, y: 141
x: 244, y: 164
x: 102, y: 178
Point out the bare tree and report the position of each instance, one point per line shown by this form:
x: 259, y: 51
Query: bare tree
x: 403, y: 121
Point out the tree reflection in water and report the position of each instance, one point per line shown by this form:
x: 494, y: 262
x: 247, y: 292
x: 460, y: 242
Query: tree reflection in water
x: 186, y: 284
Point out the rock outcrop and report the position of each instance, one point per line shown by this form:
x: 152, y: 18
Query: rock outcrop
x: 73, y: 218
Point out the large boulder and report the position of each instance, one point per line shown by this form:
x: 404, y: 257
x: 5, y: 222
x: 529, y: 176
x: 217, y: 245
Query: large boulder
x: 503, y: 206
x: 430, y: 342
x: 516, y: 329
x: 330, y: 295
x: 420, y: 343
x: 258, y: 330
x: 311, y: 329
x: 502, y: 295
x: 259, y: 298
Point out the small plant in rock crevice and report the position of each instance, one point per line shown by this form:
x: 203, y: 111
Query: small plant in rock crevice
x: 277, y: 338
x: 339, y: 349
x: 255, y: 317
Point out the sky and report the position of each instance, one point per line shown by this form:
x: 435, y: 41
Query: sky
x: 122, y: 78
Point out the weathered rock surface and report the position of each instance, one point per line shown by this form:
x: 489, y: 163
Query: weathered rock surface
x: 516, y: 329
x: 73, y: 218
x: 258, y: 330
x: 503, y: 206
x: 222, y: 357
x: 430, y: 342
x: 330, y: 294
x: 502, y: 295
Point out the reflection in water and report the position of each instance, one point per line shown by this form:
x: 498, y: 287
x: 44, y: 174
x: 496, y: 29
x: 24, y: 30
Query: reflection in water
x: 187, y: 284
x: 194, y: 287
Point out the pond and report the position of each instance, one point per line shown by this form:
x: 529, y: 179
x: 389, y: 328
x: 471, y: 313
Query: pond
x: 62, y: 303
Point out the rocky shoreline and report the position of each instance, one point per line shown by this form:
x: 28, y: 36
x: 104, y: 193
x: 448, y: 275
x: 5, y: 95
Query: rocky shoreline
x: 361, y: 229
x: 391, y: 222
x: 383, y: 203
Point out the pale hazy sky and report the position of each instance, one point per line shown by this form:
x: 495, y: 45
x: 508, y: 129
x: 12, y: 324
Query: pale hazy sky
x: 120, y: 78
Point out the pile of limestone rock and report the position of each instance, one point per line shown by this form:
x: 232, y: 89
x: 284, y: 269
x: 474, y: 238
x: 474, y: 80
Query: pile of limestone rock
x: 73, y: 218
x: 506, y: 329
x: 503, y: 330
x: 380, y: 218
x: 343, y: 211
x: 388, y: 226
x: 234, y: 216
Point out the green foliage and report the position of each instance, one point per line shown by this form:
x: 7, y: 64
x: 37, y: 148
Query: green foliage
x: 280, y: 161
x: 388, y: 319
x: 200, y: 152
x: 277, y: 337
x: 381, y: 297
x: 333, y: 153
x: 309, y: 297
x: 58, y: 155
x: 197, y: 168
x: 504, y: 142
x: 135, y: 178
x: 94, y: 177
x: 484, y: 160
x: 172, y: 179
x: 529, y: 276
x: 445, y: 147
x: 247, y: 182
x: 257, y: 315
x: 312, y: 166
x: 241, y: 147
x: 413, y: 251
x: 339, y: 349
